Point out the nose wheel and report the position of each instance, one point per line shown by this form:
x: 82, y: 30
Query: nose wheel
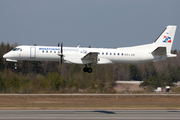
x: 15, y: 66
x: 87, y: 69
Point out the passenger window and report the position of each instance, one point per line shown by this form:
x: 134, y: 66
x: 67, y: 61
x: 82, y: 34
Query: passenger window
x: 43, y: 51
x: 54, y: 51
x: 102, y: 53
x: 106, y: 53
x: 114, y: 53
x: 118, y: 53
x: 46, y: 51
x: 110, y: 53
x: 20, y: 49
x: 50, y: 51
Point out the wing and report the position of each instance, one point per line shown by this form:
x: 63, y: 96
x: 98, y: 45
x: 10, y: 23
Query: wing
x: 91, y: 56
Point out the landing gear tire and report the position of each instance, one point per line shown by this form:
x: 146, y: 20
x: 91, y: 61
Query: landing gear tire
x: 15, y: 66
x: 89, y: 70
x: 85, y: 69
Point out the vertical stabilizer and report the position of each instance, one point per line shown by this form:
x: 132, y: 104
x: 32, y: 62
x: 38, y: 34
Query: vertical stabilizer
x: 166, y: 39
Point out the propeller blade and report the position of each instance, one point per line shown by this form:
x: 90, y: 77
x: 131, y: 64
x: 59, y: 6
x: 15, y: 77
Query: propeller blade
x: 61, y: 59
x: 61, y: 53
x: 61, y: 48
x: 58, y: 44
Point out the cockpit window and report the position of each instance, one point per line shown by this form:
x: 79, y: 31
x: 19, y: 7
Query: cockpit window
x: 14, y: 49
x: 17, y: 49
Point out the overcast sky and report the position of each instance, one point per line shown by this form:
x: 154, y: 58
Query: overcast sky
x: 98, y: 23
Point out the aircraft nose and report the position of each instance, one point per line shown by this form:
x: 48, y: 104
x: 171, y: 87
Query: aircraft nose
x: 5, y: 55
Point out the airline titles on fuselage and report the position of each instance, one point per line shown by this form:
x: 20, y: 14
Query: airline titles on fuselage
x: 84, y: 51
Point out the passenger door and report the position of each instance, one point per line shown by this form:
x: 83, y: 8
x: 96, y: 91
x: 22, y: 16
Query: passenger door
x: 32, y: 52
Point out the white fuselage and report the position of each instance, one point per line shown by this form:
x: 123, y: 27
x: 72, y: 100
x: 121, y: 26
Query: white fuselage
x: 160, y: 49
x: 74, y: 54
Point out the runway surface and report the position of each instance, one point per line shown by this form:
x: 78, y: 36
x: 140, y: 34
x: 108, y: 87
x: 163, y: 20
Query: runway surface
x: 89, y: 114
x: 90, y: 94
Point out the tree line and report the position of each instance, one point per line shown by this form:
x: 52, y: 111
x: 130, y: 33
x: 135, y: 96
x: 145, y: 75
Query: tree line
x: 51, y: 77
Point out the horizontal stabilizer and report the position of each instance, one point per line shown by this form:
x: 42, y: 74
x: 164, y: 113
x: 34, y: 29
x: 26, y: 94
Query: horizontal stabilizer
x: 159, y: 51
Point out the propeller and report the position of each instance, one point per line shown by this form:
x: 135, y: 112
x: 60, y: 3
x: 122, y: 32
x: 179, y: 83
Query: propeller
x: 61, y: 55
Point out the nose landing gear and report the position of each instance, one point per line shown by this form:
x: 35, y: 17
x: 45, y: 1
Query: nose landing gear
x: 87, y: 69
x: 15, y: 66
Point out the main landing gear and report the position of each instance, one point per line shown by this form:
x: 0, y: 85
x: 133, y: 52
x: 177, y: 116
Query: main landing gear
x: 86, y: 69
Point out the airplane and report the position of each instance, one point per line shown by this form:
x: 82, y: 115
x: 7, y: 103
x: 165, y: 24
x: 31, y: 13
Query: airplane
x: 160, y: 49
